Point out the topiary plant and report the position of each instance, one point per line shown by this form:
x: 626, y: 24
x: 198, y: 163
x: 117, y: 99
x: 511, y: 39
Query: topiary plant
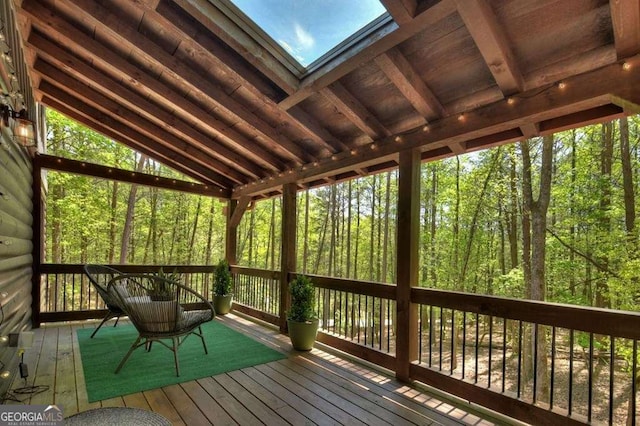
x: 303, y: 302
x: 222, y: 279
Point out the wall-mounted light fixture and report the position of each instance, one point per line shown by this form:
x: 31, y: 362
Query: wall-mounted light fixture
x: 23, y: 128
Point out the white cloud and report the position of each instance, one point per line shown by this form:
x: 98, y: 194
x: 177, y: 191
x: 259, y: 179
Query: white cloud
x: 303, y: 38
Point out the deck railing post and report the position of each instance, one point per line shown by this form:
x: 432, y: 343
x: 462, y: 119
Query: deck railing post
x: 408, y: 227
x: 288, y: 258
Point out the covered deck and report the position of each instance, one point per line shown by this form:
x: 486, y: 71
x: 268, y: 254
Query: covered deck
x: 186, y: 83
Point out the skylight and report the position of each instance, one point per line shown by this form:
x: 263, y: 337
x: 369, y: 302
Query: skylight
x: 307, y: 30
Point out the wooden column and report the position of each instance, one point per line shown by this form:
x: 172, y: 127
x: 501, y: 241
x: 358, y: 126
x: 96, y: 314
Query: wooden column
x: 38, y: 246
x: 407, y: 261
x: 288, y: 258
x: 231, y: 237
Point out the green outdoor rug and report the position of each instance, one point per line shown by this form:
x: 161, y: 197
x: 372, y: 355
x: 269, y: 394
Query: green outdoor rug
x: 228, y: 350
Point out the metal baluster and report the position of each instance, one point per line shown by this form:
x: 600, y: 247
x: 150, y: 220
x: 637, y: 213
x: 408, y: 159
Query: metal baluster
x: 535, y: 361
x: 430, y: 334
x: 440, y: 341
x: 475, y: 380
x: 553, y: 366
x: 519, y: 357
x: 490, y: 350
x: 504, y: 352
x: 570, y: 402
x: 453, y: 339
x: 590, y: 401
x: 464, y: 340
x: 612, y: 362
x: 420, y: 334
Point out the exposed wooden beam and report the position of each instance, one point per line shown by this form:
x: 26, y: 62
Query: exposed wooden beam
x: 354, y: 111
x: 402, y: 11
x: 629, y: 107
x: 95, y: 120
x: 238, y: 211
x: 406, y: 79
x: 582, y: 92
x: 625, y: 15
x: 118, y: 66
x: 122, y: 94
x: 104, y: 172
x: 57, y: 81
x: 227, y: 30
x: 492, y: 43
x: 367, y: 50
x: 310, y: 123
x: 177, y: 68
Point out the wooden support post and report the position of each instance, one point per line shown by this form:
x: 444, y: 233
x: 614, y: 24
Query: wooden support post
x: 407, y: 261
x: 288, y: 259
x: 231, y: 238
x: 38, y: 250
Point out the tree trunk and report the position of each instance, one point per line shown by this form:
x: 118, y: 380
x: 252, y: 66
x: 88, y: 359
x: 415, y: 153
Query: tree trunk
x: 513, y: 215
x: 534, y: 246
x: 385, y: 242
x: 128, y: 221
x: 606, y: 159
x: 112, y: 222
x: 628, y: 186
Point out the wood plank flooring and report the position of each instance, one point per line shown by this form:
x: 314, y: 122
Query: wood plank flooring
x: 318, y: 387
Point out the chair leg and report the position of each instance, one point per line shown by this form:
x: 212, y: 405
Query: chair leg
x: 175, y: 355
x: 105, y: 319
x: 131, y: 349
x: 117, y: 319
x: 203, y: 342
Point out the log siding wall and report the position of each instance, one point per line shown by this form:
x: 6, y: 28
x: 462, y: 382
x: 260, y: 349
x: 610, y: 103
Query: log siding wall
x: 16, y: 205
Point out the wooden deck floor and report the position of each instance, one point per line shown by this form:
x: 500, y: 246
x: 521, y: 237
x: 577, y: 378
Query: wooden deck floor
x: 305, y: 388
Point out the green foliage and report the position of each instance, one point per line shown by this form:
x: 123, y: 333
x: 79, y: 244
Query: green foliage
x: 303, y: 302
x: 85, y: 215
x: 161, y: 289
x: 222, y: 279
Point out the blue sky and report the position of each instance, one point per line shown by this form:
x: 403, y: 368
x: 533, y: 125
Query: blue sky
x: 307, y: 29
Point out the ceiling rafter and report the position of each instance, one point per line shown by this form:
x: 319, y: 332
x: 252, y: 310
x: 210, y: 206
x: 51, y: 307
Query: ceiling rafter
x: 219, y: 100
x: 95, y: 51
x: 55, y: 83
x: 240, y: 41
x: 101, y: 123
x: 205, y: 50
x: 357, y: 113
x: 120, y: 93
x: 625, y: 15
x: 492, y: 43
x: 402, y: 11
x: 398, y: 69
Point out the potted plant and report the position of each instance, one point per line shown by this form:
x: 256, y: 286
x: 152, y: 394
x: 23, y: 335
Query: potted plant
x: 161, y: 290
x: 302, y: 320
x: 222, y: 292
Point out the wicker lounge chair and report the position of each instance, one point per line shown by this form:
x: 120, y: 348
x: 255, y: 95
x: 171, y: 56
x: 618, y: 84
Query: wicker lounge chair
x: 161, y: 309
x: 99, y: 276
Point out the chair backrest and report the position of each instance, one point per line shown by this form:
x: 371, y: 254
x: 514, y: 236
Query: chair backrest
x: 100, y: 275
x: 154, y: 304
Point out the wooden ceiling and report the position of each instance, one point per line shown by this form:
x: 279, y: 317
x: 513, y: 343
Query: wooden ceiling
x: 180, y: 81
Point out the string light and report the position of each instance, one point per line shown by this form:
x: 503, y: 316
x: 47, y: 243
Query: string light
x: 398, y: 139
x: 425, y: 128
x: 511, y: 101
x: 373, y: 146
x: 562, y: 85
x: 354, y: 152
x: 626, y: 66
x: 462, y: 117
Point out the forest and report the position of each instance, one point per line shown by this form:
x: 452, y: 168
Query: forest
x: 549, y: 218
